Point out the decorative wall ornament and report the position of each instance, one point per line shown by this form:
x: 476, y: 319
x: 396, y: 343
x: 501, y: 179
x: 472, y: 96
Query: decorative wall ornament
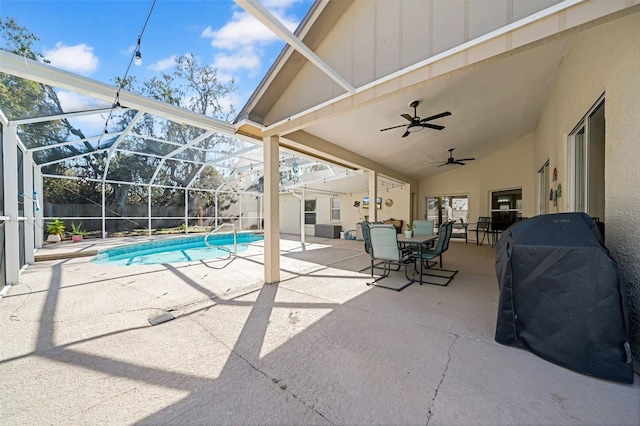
x: 555, y: 174
x: 388, y: 202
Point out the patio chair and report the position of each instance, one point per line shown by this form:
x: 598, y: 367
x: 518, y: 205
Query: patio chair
x: 428, y: 256
x: 483, y: 225
x: 366, y: 236
x: 384, y: 248
x: 423, y: 227
x: 460, y: 230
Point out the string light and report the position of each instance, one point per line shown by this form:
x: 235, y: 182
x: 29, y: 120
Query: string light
x: 137, y: 57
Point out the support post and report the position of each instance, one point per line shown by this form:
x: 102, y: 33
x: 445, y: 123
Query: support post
x: 186, y: 210
x: 149, y: 209
x: 29, y: 208
x: 373, y: 193
x: 104, y: 211
x: 271, y: 210
x: 11, y: 225
x: 37, y: 221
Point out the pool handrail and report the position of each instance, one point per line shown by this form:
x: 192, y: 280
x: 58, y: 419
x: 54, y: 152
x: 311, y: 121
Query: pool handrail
x: 235, y: 236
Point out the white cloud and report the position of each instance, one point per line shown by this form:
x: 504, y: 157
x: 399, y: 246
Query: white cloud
x: 90, y: 125
x: 241, y: 31
x: 244, y: 29
x: 164, y: 64
x: 225, y: 77
x: 279, y: 4
x: 247, y: 57
x: 71, y: 101
x: 78, y: 58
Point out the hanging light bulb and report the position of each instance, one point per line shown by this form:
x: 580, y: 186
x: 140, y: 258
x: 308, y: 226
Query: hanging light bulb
x: 138, y: 58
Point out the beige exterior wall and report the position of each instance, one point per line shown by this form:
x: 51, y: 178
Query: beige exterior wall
x: 349, y: 215
x: 376, y: 38
x: 605, y: 59
x: 511, y: 167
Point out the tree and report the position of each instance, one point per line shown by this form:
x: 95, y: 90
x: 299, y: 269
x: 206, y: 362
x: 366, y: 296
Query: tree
x: 193, y: 86
x: 189, y: 84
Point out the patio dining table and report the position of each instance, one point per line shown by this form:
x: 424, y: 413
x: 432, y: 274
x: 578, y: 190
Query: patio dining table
x: 420, y: 241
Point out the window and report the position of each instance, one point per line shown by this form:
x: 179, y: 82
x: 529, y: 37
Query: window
x: 543, y: 188
x: 506, y: 206
x: 446, y: 208
x: 309, y: 212
x: 586, y: 163
x: 365, y: 203
x: 335, y: 208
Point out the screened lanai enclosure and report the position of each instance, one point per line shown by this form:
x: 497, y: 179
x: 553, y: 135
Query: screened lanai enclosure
x: 144, y: 169
x: 120, y: 163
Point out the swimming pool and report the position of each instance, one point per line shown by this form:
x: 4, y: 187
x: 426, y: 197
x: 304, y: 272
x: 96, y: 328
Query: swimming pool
x: 174, y: 250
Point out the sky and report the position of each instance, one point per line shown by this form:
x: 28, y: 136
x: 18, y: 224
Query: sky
x: 96, y: 39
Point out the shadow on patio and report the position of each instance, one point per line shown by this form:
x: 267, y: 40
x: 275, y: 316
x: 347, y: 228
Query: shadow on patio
x: 319, y: 348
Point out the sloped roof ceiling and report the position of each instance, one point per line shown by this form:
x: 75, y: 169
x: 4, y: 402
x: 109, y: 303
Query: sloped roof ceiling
x: 493, y: 103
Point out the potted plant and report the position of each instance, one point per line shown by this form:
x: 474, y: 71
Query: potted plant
x: 409, y: 232
x: 55, y: 228
x: 77, y: 232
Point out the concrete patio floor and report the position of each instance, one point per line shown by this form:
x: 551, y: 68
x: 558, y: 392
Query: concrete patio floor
x: 320, y: 347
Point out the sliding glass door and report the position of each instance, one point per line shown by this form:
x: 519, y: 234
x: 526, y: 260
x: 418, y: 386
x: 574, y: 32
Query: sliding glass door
x: 447, y: 208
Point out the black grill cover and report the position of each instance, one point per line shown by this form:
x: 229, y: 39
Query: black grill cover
x: 562, y: 297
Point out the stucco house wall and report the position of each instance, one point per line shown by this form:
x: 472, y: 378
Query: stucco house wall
x: 349, y: 214
x: 604, y: 59
x: 508, y: 168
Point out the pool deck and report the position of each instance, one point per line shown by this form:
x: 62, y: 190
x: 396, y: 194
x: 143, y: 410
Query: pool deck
x: 320, y: 347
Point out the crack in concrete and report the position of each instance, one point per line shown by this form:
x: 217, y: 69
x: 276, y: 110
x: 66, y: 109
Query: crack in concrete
x: 446, y: 368
x: 275, y: 381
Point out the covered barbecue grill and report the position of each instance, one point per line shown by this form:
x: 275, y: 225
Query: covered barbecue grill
x: 562, y: 297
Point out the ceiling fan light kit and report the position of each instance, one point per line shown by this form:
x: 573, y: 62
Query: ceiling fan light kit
x: 416, y: 124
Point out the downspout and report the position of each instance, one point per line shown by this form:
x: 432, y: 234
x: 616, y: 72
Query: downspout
x: 301, y: 197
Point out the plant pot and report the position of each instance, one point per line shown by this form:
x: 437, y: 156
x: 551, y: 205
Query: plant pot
x: 76, y: 238
x: 53, y: 238
x: 408, y: 234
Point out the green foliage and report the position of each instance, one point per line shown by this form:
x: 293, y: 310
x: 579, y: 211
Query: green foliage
x: 56, y: 227
x: 77, y: 229
x: 410, y: 226
x: 190, y: 84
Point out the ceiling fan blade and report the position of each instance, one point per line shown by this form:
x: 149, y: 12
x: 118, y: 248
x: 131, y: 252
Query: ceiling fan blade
x: 433, y: 117
x: 466, y: 159
x: 458, y: 162
x: 432, y: 126
x: 407, y: 116
x: 394, y: 127
x: 443, y: 164
x: 407, y: 133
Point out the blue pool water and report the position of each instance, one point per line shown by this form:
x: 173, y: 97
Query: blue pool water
x: 174, y: 250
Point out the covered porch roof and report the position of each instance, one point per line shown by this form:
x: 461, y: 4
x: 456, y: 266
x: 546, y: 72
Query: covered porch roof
x: 495, y: 86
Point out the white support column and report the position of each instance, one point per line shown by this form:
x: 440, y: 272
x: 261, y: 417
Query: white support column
x: 240, y: 213
x: 373, y: 193
x: 186, y: 210
x: 11, y: 229
x: 303, y: 227
x: 215, y: 199
x: 149, y: 210
x: 29, y: 208
x: 302, y: 210
x: 38, y: 187
x: 104, y: 211
x: 271, y: 210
